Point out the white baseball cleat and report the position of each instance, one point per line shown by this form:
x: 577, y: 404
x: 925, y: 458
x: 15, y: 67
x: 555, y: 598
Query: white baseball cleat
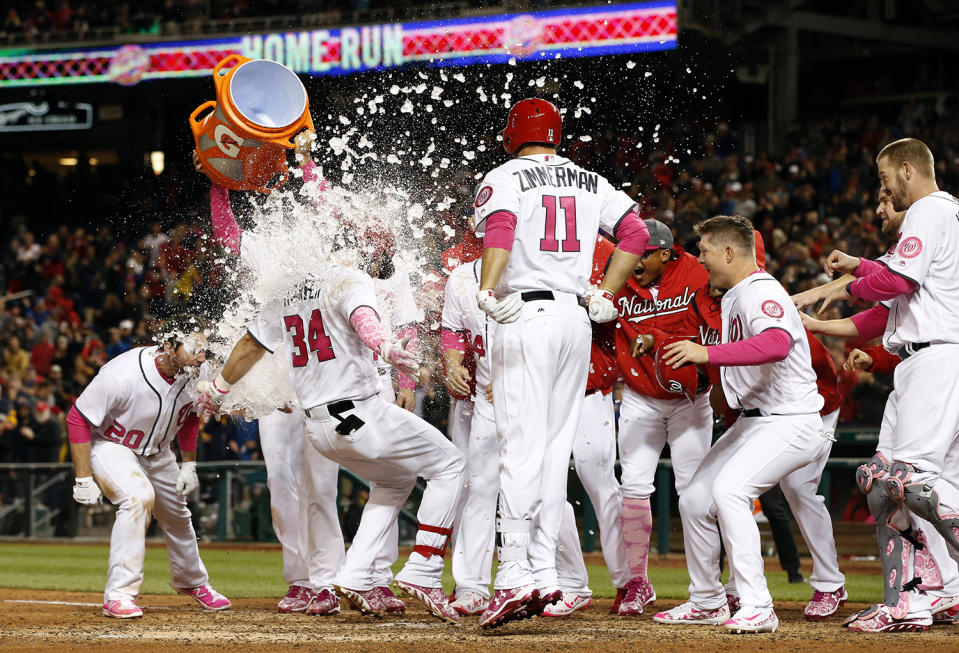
x: 570, y: 603
x: 945, y: 609
x: 688, y: 614
x: 468, y: 603
x: 753, y: 620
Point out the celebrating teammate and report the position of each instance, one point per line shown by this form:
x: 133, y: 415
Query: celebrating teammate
x: 540, y: 214
x: 767, y: 375
x: 329, y: 325
x: 120, y: 431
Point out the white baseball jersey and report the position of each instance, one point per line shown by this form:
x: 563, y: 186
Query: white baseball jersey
x: 786, y: 387
x: 131, y: 403
x: 327, y: 360
x: 559, y: 208
x: 461, y: 314
x: 927, y: 254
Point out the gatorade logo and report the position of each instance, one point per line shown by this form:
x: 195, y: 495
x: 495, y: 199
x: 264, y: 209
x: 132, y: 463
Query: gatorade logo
x: 229, y: 146
x: 910, y: 247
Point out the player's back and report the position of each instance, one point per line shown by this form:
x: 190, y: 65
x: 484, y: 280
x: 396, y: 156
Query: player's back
x: 328, y: 361
x: 559, y: 208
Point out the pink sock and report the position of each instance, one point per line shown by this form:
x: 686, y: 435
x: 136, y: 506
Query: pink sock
x: 637, y: 519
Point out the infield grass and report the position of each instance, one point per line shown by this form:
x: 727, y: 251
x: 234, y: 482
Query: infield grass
x: 251, y: 573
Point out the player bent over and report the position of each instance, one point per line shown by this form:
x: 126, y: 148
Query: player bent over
x: 329, y: 325
x: 767, y: 374
x: 120, y: 431
x: 540, y: 214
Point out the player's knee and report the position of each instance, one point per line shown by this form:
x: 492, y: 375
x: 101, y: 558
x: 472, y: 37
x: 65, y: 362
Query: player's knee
x: 695, y: 499
x: 140, y: 501
x: 729, y: 495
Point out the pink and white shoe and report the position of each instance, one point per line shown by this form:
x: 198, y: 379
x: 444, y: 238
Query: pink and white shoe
x: 323, y: 603
x: 620, y: 593
x: 879, y: 619
x: 122, y: 609
x: 639, y: 594
x: 366, y: 601
x: 945, y: 609
x: 508, y: 605
x: 567, y: 605
x: 206, y: 596
x: 753, y: 620
x: 434, y: 598
x: 732, y: 600
x: 468, y: 603
x: 296, y: 600
x: 688, y: 614
x: 823, y: 605
x: 390, y: 601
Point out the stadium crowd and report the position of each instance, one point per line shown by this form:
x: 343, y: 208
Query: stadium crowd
x: 77, y: 296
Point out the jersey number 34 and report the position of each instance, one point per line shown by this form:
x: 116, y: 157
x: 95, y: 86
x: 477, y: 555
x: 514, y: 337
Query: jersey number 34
x: 312, y: 338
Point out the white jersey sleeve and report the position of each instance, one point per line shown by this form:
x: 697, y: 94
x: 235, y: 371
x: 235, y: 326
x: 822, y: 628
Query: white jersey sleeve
x: 266, y: 329
x: 765, y: 310
x: 98, y: 399
x: 500, y: 191
x: 921, y: 238
x: 616, y: 205
x: 453, y: 313
x: 351, y: 291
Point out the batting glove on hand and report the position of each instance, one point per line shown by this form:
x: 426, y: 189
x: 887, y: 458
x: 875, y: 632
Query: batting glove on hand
x: 210, y: 395
x: 86, y: 491
x: 186, y: 480
x: 395, y: 354
x: 600, y: 306
x: 504, y: 310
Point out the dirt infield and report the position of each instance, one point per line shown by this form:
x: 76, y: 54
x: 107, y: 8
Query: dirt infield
x: 59, y: 621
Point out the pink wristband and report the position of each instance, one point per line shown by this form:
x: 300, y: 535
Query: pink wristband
x: 452, y: 340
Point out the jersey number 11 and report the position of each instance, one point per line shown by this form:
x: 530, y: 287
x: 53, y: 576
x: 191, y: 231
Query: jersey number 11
x: 549, y: 243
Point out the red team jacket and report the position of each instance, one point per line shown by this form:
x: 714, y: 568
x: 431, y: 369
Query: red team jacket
x: 674, y: 312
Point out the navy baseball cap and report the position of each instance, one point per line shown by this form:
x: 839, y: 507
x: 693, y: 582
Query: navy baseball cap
x: 660, y: 237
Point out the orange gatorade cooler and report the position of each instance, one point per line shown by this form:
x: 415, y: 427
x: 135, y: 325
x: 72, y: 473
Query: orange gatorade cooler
x: 242, y: 137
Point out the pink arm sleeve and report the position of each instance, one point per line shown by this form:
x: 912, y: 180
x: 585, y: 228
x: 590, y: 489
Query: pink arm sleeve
x: 770, y: 346
x: 500, y: 230
x: 881, y: 285
x: 225, y: 229
x: 406, y: 383
x: 871, y: 323
x: 632, y: 234
x: 78, y: 430
x: 367, y: 325
x: 452, y: 340
x: 189, y: 433
x: 866, y: 267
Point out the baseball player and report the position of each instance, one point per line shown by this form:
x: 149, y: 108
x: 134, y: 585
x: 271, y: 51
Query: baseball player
x: 908, y: 474
x: 653, y: 306
x: 540, y: 214
x: 766, y: 373
x: 120, y: 430
x: 329, y: 325
x: 303, y: 484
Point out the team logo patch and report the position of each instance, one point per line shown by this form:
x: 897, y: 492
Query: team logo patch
x: 482, y: 197
x: 773, y: 309
x: 910, y: 247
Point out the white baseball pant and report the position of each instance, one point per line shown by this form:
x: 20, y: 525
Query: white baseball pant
x: 570, y: 566
x: 474, y: 538
x: 539, y: 366
x: 142, y: 488
x: 594, y: 457
x: 391, y: 449
x: 386, y: 556
x: 751, y: 457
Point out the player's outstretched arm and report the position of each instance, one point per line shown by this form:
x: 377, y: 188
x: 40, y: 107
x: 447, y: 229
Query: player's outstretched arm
x: 246, y: 353
x: 85, y: 489
x: 867, y: 325
x: 815, y: 295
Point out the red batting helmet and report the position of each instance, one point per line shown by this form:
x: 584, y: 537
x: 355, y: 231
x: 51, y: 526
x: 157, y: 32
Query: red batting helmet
x: 532, y: 121
x: 682, y: 381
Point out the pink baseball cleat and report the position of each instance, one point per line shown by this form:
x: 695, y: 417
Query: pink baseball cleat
x: 296, y: 600
x: 688, y: 614
x: 122, y: 609
x: 390, y: 601
x: 753, y: 620
x: 567, y: 605
x: 366, y: 601
x: 508, y: 605
x: 879, y: 619
x: 732, y: 601
x: 945, y: 609
x: 468, y: 603
x: 323, y: 603
x: 620, y: 593
x: 434, y: 598
x: 206, y: 596
x: 823, y: 605
x: 639, y: 594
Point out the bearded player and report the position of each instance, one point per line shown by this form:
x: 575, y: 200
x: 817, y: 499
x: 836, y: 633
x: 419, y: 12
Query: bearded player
x: 540, y: 214
x: 120, y: 431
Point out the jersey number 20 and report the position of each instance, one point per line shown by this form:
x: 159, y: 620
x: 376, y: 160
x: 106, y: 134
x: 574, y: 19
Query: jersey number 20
x: 549, y: 243
x: 313, y: 338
